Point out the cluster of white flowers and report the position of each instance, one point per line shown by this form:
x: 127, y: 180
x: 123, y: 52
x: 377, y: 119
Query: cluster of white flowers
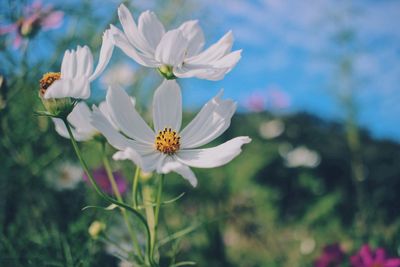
x: 176, y: 53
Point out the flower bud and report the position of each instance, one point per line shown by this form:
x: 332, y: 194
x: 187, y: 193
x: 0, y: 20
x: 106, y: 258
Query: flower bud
x: 96, y: 228
x: 167, y: 72
x: 57, y: 107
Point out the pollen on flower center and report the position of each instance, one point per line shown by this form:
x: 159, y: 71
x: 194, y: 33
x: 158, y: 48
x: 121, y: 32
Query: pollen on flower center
x: 167, y: 141
x: 47, y: 80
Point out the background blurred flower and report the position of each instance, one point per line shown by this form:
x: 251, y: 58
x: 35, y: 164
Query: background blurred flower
x: 120, y: 243
x: 122, y: 74
x: 301, y: 157
x: 307, y: 246
x: 332, y: 256
x: 125, y: 264
x: 35, y: 17
x: 271, y: 129
x: 369, y: 258
x: 256, y: 102
x: 272, y: 99
x: 96, y: 228
x: 100, y: 175
x: 277, y: 99
x: 65, y: 176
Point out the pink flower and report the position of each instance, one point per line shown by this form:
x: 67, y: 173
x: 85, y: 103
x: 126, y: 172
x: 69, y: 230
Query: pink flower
x: 100, y: 175
x: 369, y: 258
x: 272, y: 99
x: 255, y: 102
x: 35, y: 18
x: 332, y: 256
x: 277, y: 99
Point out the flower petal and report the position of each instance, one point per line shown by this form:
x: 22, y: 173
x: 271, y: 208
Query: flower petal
x: 80, y: 118
x: 213, y: 157
x: 392, y: 262
x: 170, y: 164
x: 151, y: 28
x: 101, y: 123
x: 380, y: 255
x: 131, y: 31
x: 121, y: 41
x: 213, y: 70
x: 167, y: 106
x: 147, y: 162
x: 79, y: 87
x: 214, y: 52
x: 129, y: 154
x: 52, y: 20
x: 228, y: 61
x: 84, y: 60
x: 106, y: 50
x: 194, y: 34
x: 366, y: 255
x: 172, y: 48
x: 58, y: 89
x: 103, y: 107
x: 115, y: 138
x: 61, y: 129
x: 126, y: 117
x: 65, y: 65
x: 68, y: 66
x: 8, y: 28
x: 212, y: 120
x: 206, y: 72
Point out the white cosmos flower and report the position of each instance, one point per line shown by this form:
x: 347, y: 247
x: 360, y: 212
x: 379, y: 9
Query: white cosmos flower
x: 65, y: 176
x: 176, y: 53
x: 77, y: 71
x: 168, y: 148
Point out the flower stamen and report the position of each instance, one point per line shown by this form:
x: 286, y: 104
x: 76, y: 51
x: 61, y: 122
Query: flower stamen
x: 167, y: 141
x: 47, y: 80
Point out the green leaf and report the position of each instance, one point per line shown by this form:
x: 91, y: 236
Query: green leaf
x: 184, y: 263
x: 110, y: 207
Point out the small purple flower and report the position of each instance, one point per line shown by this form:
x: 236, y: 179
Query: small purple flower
x: 369, y: 258
x: 35, y: 17
x: 332, y: 256
x: 100, y: 175
x: 255, y: 102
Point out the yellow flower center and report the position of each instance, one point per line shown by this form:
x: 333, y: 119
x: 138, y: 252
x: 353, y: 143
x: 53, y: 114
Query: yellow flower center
x: 167, y: 141
x: 47, y: 80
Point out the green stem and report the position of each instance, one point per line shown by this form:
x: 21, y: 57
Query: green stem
x: 146, y: 192
x: 105, y: 196
x: 114, y: 186
x: 135, y: 187
x: 156, y: 214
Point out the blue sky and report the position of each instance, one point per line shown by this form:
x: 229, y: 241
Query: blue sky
x: 291, y: 46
